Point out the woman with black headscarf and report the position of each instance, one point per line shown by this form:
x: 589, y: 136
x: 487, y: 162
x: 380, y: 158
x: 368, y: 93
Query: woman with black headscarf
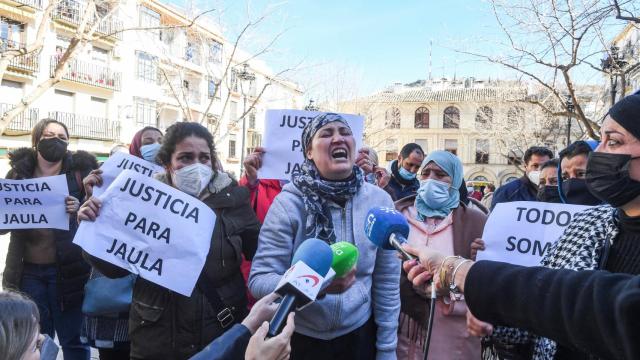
x: 605, y: 237
x: 329, y: 200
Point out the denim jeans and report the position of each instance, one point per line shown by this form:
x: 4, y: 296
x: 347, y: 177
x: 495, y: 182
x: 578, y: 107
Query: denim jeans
x: 39, y: 283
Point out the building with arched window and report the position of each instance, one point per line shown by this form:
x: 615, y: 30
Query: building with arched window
x: 451, y: 118
x: 487, y: 124
x: 392, y: 118
x: 421, y: 118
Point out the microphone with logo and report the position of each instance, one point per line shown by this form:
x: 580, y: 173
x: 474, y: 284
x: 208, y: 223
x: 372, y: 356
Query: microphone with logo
x: 301, y: 284
x: 345, y: 257
x: 388, y: 229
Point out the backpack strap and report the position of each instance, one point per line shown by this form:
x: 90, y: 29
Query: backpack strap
x: 224, y: 313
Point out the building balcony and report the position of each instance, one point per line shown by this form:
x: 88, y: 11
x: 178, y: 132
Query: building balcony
x: 88, y: 127
x: 26, y: 62
x: 193, y: 96
x: 23, y: 122
x: 34, y: 4
x: 71, y: 12
x: 89, y: 74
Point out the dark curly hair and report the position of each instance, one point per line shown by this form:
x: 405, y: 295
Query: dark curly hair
x: 178, y: 132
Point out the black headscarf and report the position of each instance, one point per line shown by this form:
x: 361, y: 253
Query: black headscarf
x: 316, y: 191
x: 626, y: 112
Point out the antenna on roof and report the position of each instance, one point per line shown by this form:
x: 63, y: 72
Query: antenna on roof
x: 455, y: 69
x: 430, y: 58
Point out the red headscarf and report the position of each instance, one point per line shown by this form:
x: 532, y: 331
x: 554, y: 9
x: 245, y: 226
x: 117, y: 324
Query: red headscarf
x: 136, y: 143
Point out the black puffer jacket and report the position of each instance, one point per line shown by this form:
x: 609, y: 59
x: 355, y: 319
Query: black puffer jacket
x: 73, y: 271
x: 166, y: 325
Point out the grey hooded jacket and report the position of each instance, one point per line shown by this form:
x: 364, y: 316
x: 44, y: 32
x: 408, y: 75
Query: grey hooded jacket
x: 376, y: 289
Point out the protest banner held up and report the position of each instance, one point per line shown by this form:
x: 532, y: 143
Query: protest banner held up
x: 34, y: 203
x: 119, y: 162
x: 283, y: 130
x: 150, y: 229
x: 522, y: 232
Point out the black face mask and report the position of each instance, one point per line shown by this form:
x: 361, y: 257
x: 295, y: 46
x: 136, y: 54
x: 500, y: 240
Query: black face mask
x: 52, y: 149
x: 549, y: 194
x: 576, y: 192
x: 608, y: 178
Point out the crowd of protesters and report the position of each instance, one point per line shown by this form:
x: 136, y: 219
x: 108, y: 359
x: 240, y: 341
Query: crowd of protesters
x: 379, y: 309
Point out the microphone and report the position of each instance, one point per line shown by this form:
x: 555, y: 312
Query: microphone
x: 345, y: 257
x: 387, y: 229
x: 300, y: 285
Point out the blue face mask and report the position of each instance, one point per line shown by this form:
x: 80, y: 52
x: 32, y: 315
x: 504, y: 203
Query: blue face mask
x: 434, y: 193
x: 406, y: 174
x: 150, y: 151
x: 436, y: 199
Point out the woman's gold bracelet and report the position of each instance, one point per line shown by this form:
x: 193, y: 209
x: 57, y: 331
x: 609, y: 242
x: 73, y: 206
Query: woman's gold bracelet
x: 443, y: 270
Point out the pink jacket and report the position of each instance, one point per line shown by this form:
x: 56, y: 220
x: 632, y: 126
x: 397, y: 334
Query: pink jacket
x: 450, y: 339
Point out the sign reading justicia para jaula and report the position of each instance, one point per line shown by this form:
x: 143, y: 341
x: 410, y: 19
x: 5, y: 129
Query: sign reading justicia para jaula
x: 37, y: 203
x: 150, y: 229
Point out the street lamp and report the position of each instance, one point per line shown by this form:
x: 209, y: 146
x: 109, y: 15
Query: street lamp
x: 246, y: 76
x: 613, y: 64
x: 311, y: 106
x: 570, y: 108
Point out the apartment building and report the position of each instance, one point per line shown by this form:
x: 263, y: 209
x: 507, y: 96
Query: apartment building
x: 158, y: 71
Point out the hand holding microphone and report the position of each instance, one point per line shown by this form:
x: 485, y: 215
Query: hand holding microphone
x: 301, y: 284
x: 388, y: 229
x: 345, y: 258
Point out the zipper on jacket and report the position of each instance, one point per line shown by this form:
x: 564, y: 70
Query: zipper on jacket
x: 344, y: 223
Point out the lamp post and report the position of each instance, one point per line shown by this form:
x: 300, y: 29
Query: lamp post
x: 246, y: 76
x: 570, y: 108
x: 613, y: 64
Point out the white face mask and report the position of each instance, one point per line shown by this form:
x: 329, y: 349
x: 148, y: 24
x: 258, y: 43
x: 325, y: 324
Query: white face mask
x: 193, y: 179
x: 534, y: 177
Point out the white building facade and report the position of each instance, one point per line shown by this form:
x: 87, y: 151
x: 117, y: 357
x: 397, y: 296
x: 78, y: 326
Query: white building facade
x: 162, y: 72
x: 488, y: 125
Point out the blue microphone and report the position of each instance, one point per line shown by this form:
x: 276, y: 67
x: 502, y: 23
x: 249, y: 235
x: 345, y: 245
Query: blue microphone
x: 301, y: 284
x: 317, y: 254
x: 387, y: 229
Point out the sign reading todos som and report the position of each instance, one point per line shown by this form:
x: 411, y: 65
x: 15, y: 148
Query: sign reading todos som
x: 522, y: 232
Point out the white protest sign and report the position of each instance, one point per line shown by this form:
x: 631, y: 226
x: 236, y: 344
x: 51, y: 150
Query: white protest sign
x: 152, y: 230
x: 522, y: 232
x: 34, y: 203
x: 283, y: 130
x: 119, y: 162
